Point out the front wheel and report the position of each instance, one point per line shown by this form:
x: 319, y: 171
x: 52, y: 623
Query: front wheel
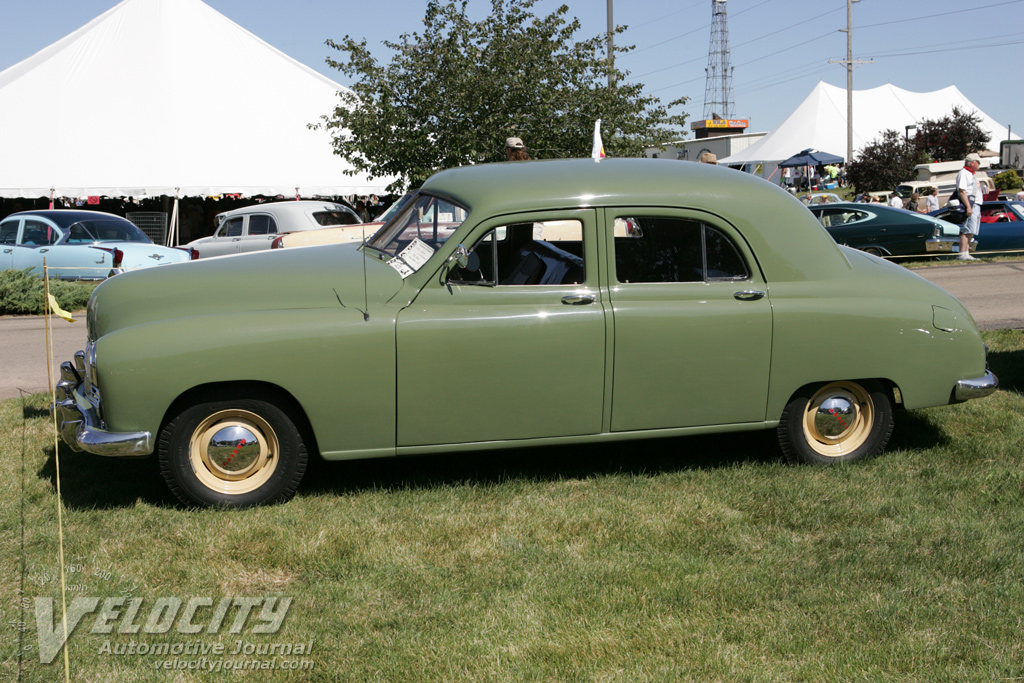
x: 232, y: 453
x: 838, y: 422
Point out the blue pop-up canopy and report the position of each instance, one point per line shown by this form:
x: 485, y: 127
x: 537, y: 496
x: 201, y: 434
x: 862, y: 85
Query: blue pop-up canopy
x: 811, y: 157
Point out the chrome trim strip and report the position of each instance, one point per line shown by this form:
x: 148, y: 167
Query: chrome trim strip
x: 966, y: 389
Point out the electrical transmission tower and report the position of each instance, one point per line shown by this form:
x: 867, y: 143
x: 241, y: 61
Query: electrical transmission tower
x: 718, y: 98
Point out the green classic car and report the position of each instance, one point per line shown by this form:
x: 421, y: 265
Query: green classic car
x: 518, y: 304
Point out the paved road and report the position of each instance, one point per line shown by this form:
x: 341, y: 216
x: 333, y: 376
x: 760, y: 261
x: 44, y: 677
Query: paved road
x: 992, y: 292
x: 23, y: 351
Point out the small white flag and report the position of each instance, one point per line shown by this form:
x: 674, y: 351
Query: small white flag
x: 597, y: 152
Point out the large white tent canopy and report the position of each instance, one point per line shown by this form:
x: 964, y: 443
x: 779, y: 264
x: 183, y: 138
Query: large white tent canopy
x: 820, y: 121
x: 155, y: 97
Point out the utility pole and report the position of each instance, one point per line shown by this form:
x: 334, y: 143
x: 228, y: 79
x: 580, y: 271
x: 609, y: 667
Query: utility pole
x: 611, y: 52
x: 849, y: 62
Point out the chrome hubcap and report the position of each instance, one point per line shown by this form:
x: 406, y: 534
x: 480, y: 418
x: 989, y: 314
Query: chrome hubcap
x: 834, y: 417
x: 234, y: 451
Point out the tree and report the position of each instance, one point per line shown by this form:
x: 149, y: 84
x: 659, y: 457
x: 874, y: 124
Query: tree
x: 452, y: 95
x: 952, y: 137
x: 884, y: 163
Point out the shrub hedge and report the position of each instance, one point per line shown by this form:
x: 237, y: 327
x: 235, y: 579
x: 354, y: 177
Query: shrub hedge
x: 21, y: 293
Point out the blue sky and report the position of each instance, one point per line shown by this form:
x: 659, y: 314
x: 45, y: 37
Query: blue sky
x: 780, y: 48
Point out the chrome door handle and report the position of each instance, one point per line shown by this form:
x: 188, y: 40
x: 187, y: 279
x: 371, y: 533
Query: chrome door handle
x: 43, y: 251
x: 8, y: 251
x: 749, y: 295
x: 578, y: 299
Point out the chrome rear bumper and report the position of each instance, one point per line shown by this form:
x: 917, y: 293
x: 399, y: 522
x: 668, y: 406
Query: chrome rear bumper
x: 79, y: 424
x: 966, y: 389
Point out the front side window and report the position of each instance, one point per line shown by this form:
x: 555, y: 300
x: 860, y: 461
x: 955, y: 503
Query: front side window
x: 262, y: 224
x: 232, y: 227
x: 676, y: 250
x: 9, y: 232
x: 412, y: 236
x: 541, y: 253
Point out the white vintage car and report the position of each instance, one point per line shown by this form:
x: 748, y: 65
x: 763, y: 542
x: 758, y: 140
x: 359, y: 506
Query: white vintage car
x: 254, y: 228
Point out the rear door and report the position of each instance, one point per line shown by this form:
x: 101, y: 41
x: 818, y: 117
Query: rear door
x: 692, y: 322
x: 8, y: 238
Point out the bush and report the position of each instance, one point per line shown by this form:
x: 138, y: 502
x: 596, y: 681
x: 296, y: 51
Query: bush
x: 21, y: 293
x: 1008, y: 180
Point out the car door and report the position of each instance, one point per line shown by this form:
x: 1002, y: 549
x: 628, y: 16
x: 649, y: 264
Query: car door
x: 226, y: 240
x: 692, y: 323
x: 37, y: 243
x: 510, y: 347
x: 75, y: 257
x: 260, y: 231
x: 8, y: 239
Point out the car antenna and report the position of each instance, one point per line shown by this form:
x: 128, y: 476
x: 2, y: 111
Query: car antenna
x: 366, y: 296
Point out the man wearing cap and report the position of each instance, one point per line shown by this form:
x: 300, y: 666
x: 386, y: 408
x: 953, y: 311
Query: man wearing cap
x: 967, y: 190
x: 516, y: 150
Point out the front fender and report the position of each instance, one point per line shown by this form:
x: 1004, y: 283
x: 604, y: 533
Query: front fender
x: 338, y: 367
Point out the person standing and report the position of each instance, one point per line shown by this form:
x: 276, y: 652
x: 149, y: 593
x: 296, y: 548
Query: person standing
x: 516, y: 150
x: 931, y: 202
x: 967, y: 190
x: 895, y: 201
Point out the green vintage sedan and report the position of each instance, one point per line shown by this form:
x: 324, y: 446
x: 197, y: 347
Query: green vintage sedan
x: 518, y: 304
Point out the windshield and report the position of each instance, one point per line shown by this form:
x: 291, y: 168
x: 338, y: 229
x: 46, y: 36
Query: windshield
x: 105, y: 231
x: 416, y: 232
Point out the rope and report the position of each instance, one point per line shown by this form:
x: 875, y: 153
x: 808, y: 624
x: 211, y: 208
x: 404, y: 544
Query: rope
x: 56, y: 459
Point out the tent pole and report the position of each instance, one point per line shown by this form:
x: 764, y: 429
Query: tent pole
x: 172, y: 230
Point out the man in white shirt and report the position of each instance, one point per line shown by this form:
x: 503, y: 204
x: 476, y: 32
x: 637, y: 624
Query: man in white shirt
x: 932, y: 200
x: 967, y: 191
x: 895, y: 201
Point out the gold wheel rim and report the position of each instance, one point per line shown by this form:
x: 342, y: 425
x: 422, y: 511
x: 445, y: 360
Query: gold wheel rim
x: 234, y: 452
x: 838, y: 419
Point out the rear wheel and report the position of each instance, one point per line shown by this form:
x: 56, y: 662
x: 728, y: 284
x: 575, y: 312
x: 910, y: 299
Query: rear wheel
x: 232, y: 453
x: 838, y: 422
x: 874, y: 251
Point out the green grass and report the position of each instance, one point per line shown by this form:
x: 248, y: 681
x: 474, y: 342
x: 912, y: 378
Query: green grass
x: 700, y: 559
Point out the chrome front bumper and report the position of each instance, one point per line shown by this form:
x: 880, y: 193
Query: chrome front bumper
x: 79, y: 423
x: 966, y: 389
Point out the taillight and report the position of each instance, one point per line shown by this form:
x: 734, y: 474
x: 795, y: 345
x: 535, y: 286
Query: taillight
x: 278, y: 243
x: 118, y: 257
x: 193, y: 253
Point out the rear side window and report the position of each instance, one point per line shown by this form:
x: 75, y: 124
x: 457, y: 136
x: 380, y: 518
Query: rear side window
x: 336, y: 218
x: 262, y: 224
x: 676, y: 250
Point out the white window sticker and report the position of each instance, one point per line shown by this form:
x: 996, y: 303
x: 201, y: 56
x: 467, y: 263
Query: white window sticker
x: 412, y: 258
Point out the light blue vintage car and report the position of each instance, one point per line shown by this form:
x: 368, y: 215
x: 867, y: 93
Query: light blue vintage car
x: 79, y: 245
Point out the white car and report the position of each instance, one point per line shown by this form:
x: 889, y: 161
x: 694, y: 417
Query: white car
x: 254, y: 228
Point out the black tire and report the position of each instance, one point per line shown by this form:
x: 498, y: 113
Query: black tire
x: 873, y: 251
x: 232, y: 453
x: 836, y: 422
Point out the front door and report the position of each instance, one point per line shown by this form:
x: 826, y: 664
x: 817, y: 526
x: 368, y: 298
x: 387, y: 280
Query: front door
x: 692, y: 320
x: 513, y: 345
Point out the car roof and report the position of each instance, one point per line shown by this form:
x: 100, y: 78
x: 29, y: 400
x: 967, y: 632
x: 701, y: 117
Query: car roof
x: 64, y: 218
x: 285, y: 207
x: 778, y: 227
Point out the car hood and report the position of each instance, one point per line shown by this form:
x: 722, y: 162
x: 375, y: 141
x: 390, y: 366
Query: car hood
x: 330, y: 276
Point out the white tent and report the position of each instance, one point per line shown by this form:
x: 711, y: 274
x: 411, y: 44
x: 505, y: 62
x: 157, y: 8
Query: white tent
x: 820, y: 121
x: 155, y: 95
